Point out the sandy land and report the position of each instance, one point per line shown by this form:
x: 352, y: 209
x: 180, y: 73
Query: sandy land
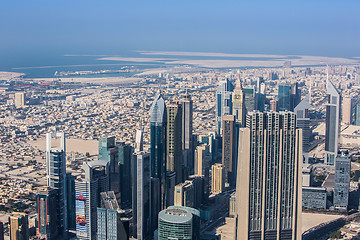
x: 130, y: 59
x: 9, y: 75
x: 72, y: 145
x: 206, y: 54
x: 101, y: 80
x: 310, y: 220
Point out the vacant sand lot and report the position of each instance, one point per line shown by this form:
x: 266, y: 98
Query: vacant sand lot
x: 72, y: 145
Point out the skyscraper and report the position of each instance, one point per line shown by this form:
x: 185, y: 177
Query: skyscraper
x: 357, y: 114
x: 332, y: 123
x: 19, y: 100
x: 249, y: 100
x: 184, y: 194
x: 142, y: 205
x: 110, y: 224
x: 158, y: 145
x: 217, y: 178
x: 289, y: 97
x: 228, y: 149
x: 347, y: 110
x: 93, y: 181
x: 268, y: 190
x: 125, y: 152
x: 303, y: 122
x: 175, y: 223
x: 19, y: 226
x: 46, y: 214
x: 223, y: 102
x: 56, y: 176
x: 1, y: 231
x: 187, y: 136
x: 238, y: 103
x: 174, y: 140
x: 342, y: 181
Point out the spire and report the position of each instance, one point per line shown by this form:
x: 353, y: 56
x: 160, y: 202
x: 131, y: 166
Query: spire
x: 238, y: 84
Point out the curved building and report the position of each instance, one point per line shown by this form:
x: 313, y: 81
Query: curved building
x: 175, y: 223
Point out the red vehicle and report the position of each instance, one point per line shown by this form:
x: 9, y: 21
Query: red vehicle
x: 81, y: 220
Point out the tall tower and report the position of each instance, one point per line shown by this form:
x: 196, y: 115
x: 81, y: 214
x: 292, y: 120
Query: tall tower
x: 93, y: 181
x: 347, y: 110
x: 218, y: 178
x: 187, y: 136
x: 56, y: 175
x: 238, y: 103
x: 228, y: 149
x: 174, y: 139
x: 342, y: 181
x: 303, y: 122
x: 158, y: 144
x: 332, y: 123
x: 223, y: 102
x: 268, y: 190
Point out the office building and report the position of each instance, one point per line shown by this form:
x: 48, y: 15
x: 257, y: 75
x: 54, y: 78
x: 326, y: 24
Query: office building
x: 158, y: 145
x: 46, y: 205
x: 19, y: 226
x: 332, y: 123
x: 1, y: 231
x: 342, y: 181
x: 56, y: 176
x: 70, y: 187
x: 125, y: 152
x: 307, y: 175
x: 238, y: 103
x: 94, y: 180
x: 357, y: 114
x: 303, y: 122
x: 175, y: 223
x: 184, y: 194
x: 273, y: 105
x: 249, y: 101
x: 187, y: 128
x: 218, y: 173
x: 268, y: 189
x: 202, y: 163
x: 347, y: 110
x: 289, y: 97
x: 139, y: 142
x: 110, y: 224
x: 142, y: 202
x: 223, y: 102
x: 196, y: 220
x: 228, y: 149
x: 174, y: 140
x: 232, y: 205
x: 19, y: 100
x: 314, y: 197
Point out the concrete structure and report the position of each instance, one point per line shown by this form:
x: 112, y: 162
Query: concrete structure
x: 228, y: 149
x: 94, y: 180
x: 142, y: 207
x: 187, y: 128
x: 110, y: 225
x: 347, y: 110
x: 174, y: 140
x: 19, y: 100
x: 56, y: 176
x: 268, y: 189
x: 223, y: 103
x: 314, y: 197
x: 1, y: 231
x: 289, y: 97
x: 232, y: 205
x: 342, y: 181
x: 238, y: 103
x: 303, y: 122
x: 46, y: 206
x: 184, y: 194
x: 332, y: 123
x: 175, y: 223
x: 218, y: 178
x: 357, y: 114
x: 139, y: 142
x: 19, y: 226
x: 307, y: 175
x: 196, y: 220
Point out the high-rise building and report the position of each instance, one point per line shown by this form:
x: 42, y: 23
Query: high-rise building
x: 175, y: 223
x: 249, y: 100
x: 303, y: 122
x: 19, y: 226
x: 314, y: 197
x: 174, y: 140
x: 142, y: 191
x: 268, y: 189
x: 158, y: 145
x: 187, y: 135
x: 342, y: 181
x: 218, y: 178
x: 1, y: 231
x: 228, y: 149
x: 125, y: 152
x: 196, y: 220
x: 201, y: 189
x: 110, y: 224
x: 94, y: 180
x: 19, y: 100
x: 184, y: 194
x: 347, y: 110
x: 46, y: 205
x: 223, y: 102
x: 70, y: 187
x: 56, y: 176
x: 202, y: 163
x: 332, y: 123
x: 357, y: 114
x: 273, y: 105
x: 139, y: 142
x: 289, y: 97
x: 238, y: 103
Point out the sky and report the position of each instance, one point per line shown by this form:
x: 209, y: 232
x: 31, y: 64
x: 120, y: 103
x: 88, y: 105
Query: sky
x: 307, y: 27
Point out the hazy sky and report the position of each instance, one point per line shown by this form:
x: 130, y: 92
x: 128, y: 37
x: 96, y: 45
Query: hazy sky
x: 314, y: 27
